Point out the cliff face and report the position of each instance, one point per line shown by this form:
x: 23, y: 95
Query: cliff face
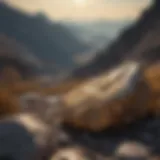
x: 141, y: 41
x: 52, y: 43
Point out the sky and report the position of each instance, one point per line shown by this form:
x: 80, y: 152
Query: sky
x: 83, y: 9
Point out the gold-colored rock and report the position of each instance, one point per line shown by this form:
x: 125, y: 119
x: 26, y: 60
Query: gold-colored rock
x: 9, y: 104
x: 152, y: 77
x: 154, y: 157
x: 116, y: 97
x: 69, y: 154
x: 132, y: 149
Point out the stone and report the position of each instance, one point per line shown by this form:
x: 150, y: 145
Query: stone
x: 111, y: 99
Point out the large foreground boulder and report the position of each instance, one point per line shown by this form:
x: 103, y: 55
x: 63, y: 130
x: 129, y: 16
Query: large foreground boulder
x: 113, y: 98
x: 16, y: 142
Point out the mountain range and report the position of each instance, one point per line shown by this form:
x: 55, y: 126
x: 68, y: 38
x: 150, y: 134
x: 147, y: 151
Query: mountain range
x: 140, y: 41
x: 98, y: 33
x: 50, y: 42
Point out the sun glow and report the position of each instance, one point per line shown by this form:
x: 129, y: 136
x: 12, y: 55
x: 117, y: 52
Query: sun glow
x: 80, y: 2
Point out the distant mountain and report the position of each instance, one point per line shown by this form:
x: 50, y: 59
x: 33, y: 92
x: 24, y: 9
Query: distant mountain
x: 141, y: 41
x: 97, y: 33
x: 52, y: 43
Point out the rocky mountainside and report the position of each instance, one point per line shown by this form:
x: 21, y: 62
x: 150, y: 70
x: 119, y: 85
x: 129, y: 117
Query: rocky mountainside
x: 14, y: 55
x: 141, y: 41
x: 52, y: 43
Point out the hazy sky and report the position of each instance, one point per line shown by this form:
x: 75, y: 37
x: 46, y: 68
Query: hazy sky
x: 84, y: 9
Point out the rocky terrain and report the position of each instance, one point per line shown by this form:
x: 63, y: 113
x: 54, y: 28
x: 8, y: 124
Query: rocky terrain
x: 113, y: 114
x: 123, y: 121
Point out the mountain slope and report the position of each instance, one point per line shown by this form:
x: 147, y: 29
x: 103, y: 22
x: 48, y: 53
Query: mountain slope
x: 50, y: 42
x: 140, y: 41
x: 14, y: 57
